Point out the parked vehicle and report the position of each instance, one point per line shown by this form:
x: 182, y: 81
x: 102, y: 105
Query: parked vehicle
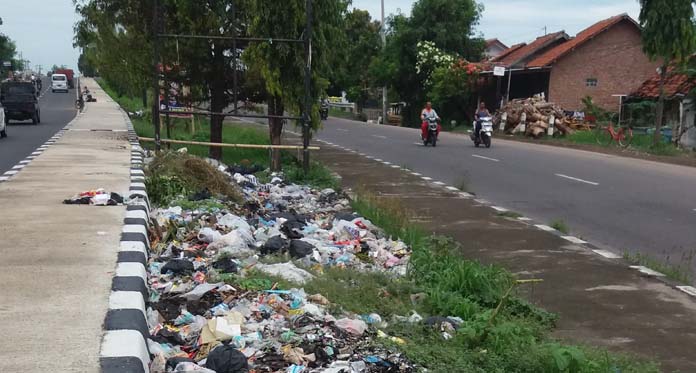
x: 59, y: 82
x: 70, y: 74
x: 324, y: 110
x: 432, y: 132
x: 3, y: 124
x: 485, y: 133
x: 20, y: 102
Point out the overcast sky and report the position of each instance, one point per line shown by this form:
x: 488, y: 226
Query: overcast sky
x: 43, y: 28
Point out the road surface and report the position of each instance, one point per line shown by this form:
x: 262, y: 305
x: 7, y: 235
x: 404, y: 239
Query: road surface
x: 620, y: 204
x: 57, y: 109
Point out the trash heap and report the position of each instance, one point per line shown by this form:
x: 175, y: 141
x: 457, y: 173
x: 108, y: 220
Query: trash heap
x: 210, y: 311
x: 537, y: 114
x: 97, y: 197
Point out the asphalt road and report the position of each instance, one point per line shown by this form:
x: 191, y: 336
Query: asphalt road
x: 57, y: 109
x: 620, y: 204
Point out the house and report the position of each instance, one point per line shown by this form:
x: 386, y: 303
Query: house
x: 680, y: 108
x: 602, y: 61
x: 494, y: 47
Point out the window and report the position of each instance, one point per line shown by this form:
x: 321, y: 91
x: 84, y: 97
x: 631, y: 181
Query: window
x: 59, y: 77
x: 590, y: 82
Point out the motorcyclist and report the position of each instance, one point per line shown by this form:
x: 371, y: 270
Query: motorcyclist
x: 427, y: 113
x: 482, y: 112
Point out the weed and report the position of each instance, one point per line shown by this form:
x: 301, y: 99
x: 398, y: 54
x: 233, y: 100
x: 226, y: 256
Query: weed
x: 206, y: 204
x: 675, y: 272
x: 560, y: 226
x: 318, y: 176
x: 510, y: 214
x: 162, y: 189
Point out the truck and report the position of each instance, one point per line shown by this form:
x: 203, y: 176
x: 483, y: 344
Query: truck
x: 70, y: 74
x: 19, y: 101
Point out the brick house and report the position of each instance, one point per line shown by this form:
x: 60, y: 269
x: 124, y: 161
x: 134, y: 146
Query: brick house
x: 604, y: 60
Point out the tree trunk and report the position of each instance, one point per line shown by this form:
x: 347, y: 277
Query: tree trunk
x: 217, y: 103
x: 275, y: 126
x: 144, y: 97
x: 659, y: 110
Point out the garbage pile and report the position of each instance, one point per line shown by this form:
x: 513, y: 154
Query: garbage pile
x: 210, y: 312
x: 98, y: 197
x: 536, y: 114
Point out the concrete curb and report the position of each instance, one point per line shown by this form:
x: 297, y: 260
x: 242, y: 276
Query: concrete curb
x: 124, y: 347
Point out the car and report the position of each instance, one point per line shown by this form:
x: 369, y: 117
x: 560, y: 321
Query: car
x: 20, y: 101
x: 59, y: 82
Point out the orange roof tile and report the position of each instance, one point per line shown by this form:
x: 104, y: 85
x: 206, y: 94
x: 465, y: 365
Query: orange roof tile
x: 526, y: 50
x: 554, y: 54
x: 675, y: 84
x: 490, y: 42
x: 510, y: 50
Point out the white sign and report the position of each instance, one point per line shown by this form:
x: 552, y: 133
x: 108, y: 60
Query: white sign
x: 499, y: 71
x: 7, y: 64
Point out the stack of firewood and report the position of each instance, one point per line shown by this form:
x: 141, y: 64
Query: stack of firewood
x: 533, y: 116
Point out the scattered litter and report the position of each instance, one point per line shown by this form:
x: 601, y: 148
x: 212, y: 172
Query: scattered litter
x: 98, y: 197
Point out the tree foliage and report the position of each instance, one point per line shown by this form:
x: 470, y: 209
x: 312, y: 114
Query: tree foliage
x: 8, y: 52
x: 448, y: 24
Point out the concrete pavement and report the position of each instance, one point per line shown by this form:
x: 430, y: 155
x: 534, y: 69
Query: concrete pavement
x: 621, y: 204
x: 58, y: 260
x: 600, y: 301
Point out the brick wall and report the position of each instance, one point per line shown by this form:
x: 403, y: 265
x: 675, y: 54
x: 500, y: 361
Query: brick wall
x: 615, y: 58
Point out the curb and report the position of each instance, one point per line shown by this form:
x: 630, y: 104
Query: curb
x: 124, y: 347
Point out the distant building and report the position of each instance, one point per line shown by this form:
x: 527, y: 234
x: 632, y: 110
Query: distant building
x: 494, y: 48
x: 604, y: 60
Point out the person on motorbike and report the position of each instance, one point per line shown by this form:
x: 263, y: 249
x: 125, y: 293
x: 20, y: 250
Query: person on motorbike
x: 427, y: 113
x: 482, y: 112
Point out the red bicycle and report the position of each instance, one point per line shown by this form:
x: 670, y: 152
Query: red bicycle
x: 605, y: 135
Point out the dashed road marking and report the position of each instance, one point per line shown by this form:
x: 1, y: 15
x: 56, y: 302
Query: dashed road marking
x: 379, y: 160
x: 11, y: 172
x: 415, y: 174
x: 426, y: 178
x: 465, y: 195
x: 379, y: 136
x: 607, y: 254
x: 544, y: 227
x: 499, y: 209
x: 452, y: 188
x: 4, y: 178
x: 418, y: 143
x: 342, y: 130
x: 18, y: 167
x: 386, y: 163
x: 576, y: 179
x: 524, y: 218
x: 648, y: 271
x: 438, y: 183
x: 573, y: 239
x: 25, y: 161
x: 486, y: 158
x: 688, y: 290
x: 395, y: 166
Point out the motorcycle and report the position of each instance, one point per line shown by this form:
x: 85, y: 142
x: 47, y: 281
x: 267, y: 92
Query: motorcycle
x: 432, y: 132
x: 485, y: 133
x: 324, y: 112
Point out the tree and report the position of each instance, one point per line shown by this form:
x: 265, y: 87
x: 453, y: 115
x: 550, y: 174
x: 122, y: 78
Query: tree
x: 448, y: 24
x: 282, y: 65
x: 8, y: 52
x: 668, y: 35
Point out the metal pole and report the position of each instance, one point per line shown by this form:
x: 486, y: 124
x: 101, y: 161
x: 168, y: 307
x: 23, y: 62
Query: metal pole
x: 306, y: 118
x: 507, y: 97
x: 155, y: 72
x: 384, y: 89
x: 234, y: 55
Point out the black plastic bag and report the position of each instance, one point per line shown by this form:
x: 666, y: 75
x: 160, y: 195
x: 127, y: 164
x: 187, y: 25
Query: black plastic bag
x: 177, y: 266
x: 300, y: 249
x: 275, y: 244
x: 227, y: 359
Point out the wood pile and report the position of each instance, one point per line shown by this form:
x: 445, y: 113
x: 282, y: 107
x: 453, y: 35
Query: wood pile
x: 533, y: 115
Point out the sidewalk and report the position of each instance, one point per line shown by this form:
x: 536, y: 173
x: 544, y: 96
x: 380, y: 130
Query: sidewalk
x: 58, y: 260
x: 600, y: 301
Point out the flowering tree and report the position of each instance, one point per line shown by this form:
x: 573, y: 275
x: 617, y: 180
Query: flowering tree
x: 429, y: 59
x: 452, y: 89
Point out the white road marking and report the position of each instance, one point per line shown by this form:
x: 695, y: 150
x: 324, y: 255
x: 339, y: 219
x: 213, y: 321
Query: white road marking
x: 426, y: 178
x: 499, y: 209
x: 379, y: 136
x: 361, y: 154
x: 369, y: 157
x: 573, y: 239
x: 647, y: 271
x: 544, y: 227
x: 415, y: 174
x: 342, y: 130
x: 418, y: 143
x: 386, y: 163
x: 465, y: 195
x: 487, y: 158
x: 18, y: 167
x: 395, y: 166
x: 576, y: 179
x: 26, y: 161
x: 481, y: 201
x: 607, y: 254
x: 378, y: 160
x: 438, y: 183
x: 4, y: 178
x: 688, y: 290
x: 524, y: 218
x: 452, y: 188
x: 11, y: 172
x: 36, y: 153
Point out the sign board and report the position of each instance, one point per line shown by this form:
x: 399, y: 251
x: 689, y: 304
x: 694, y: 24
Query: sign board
x: 7, y: 63
x: 178, y: 100
x: 499, y: 71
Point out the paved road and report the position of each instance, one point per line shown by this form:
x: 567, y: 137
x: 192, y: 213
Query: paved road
x: 57, y: 109
x: 617, y: 203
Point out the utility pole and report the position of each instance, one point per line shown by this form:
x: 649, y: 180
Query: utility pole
x: 385, y: 120
x: 155, y: 73
x: 306, y: 117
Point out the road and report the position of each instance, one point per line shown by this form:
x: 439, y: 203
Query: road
x: 617, y: 203
x: 57, y: 109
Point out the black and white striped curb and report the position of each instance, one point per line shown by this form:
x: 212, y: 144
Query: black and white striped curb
x: 690, y: 290
x: 124, y: 346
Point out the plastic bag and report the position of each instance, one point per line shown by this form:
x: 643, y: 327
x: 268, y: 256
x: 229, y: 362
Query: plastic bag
x: 352, y: 326
x: 209, y: 235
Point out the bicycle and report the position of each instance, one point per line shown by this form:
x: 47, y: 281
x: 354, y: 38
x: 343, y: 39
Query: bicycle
x: 605, y: 135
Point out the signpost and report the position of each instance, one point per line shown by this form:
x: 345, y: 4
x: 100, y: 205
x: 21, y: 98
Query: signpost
x: 499, y: 71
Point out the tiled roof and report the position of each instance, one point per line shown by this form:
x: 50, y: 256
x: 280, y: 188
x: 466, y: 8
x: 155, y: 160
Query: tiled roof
x: 554, y: 54
x: 675, y: 84
x: 490, y: 42
x: 510, y: 50
x: 526, y: 50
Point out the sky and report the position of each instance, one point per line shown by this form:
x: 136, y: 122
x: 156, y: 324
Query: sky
x: 515, y: 21
x: 43, y: 30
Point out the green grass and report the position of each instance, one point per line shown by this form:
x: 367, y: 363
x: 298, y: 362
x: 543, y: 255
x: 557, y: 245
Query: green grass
x: 675, y: 272
x: 641, y: 143
x: 510, y: 214
x: 560, y: 226
x: 342, y: 114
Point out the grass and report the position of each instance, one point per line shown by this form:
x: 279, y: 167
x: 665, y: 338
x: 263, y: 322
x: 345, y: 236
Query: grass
x: 343, y: 114
x: 674, y: 272
x: 560, y: 226
x: 641, y: 143
x: 510, y: 214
